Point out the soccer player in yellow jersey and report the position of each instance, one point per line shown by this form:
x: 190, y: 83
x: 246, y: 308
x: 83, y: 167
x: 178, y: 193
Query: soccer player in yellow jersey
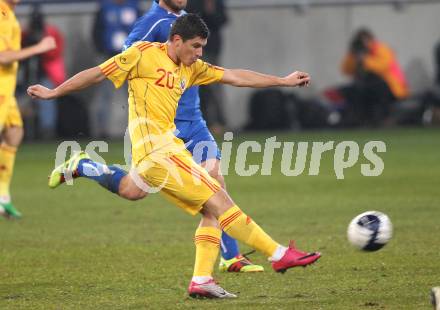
x: 11, y: 125
x: 157, y: 75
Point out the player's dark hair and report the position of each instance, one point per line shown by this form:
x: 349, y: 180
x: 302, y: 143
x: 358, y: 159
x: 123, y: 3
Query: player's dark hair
x: 189, y: 26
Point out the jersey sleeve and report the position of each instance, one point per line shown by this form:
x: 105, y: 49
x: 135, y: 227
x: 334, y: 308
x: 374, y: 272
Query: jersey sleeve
x: 204, y: 73
x: 118, y: 68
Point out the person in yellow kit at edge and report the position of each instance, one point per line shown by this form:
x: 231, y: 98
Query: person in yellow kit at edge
x: 11, y: 124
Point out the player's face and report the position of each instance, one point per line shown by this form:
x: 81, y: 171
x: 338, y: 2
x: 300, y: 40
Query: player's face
x: 176, y: 5
x: 189, y: 51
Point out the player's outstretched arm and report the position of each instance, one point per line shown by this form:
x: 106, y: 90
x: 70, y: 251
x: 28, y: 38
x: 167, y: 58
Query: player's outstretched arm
x: 79, y: 81
x: 9, y: 56
x: 247, y: 78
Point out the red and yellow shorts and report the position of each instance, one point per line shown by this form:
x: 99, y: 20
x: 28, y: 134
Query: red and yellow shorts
x: 9, y: 112
x: 180, y: 180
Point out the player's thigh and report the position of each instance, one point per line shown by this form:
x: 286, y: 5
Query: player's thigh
x: 212, y: 165
x: 181, y: 181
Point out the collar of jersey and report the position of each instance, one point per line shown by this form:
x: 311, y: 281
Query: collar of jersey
x: 166, y: 52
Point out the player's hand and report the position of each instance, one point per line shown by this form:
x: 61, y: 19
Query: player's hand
x: 40, y: 92
x: 298, y: 78
x: 47, y: 44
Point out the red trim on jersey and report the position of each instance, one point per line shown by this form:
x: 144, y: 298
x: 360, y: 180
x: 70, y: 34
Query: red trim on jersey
x: 195, y: 173
x: 107, y: 70
x: 141, y: 45
x: 112, y: 70
x: 144, y: 47
x: 201, y: 178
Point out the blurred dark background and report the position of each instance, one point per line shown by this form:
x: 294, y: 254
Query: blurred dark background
x: 275, y: 37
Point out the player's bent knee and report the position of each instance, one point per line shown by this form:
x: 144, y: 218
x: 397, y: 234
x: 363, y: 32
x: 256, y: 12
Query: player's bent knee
x: 128, y: 189
x: 132, y: 194
x: 218, y: 204
x: 208, y: 215
x: 208, y: 219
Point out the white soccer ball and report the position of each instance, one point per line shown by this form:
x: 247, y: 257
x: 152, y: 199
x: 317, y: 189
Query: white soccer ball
x: 370, y: 231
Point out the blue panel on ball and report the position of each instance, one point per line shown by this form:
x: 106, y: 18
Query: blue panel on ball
x: 373, y: 246
x: 372, y: 223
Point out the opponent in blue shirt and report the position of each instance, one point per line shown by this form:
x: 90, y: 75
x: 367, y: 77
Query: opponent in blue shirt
x: 154, y: 26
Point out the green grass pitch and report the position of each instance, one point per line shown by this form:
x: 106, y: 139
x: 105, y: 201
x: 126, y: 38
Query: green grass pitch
x: 79, y: 247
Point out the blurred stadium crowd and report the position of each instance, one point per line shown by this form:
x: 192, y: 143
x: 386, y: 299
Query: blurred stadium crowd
x: 376, y: 92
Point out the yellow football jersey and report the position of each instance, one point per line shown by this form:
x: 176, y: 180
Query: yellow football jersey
x: 155, y: 85
x: 10, y: 39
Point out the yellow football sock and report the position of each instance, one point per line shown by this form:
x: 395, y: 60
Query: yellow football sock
x: 7, y: 159
x: 241, y: 227
x: 207, y: 241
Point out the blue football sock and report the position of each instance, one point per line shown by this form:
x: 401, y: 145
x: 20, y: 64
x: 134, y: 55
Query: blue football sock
x: 229, y: 246
x: 108, y: 177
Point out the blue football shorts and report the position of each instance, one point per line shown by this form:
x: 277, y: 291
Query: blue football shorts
x: 198, y: 140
